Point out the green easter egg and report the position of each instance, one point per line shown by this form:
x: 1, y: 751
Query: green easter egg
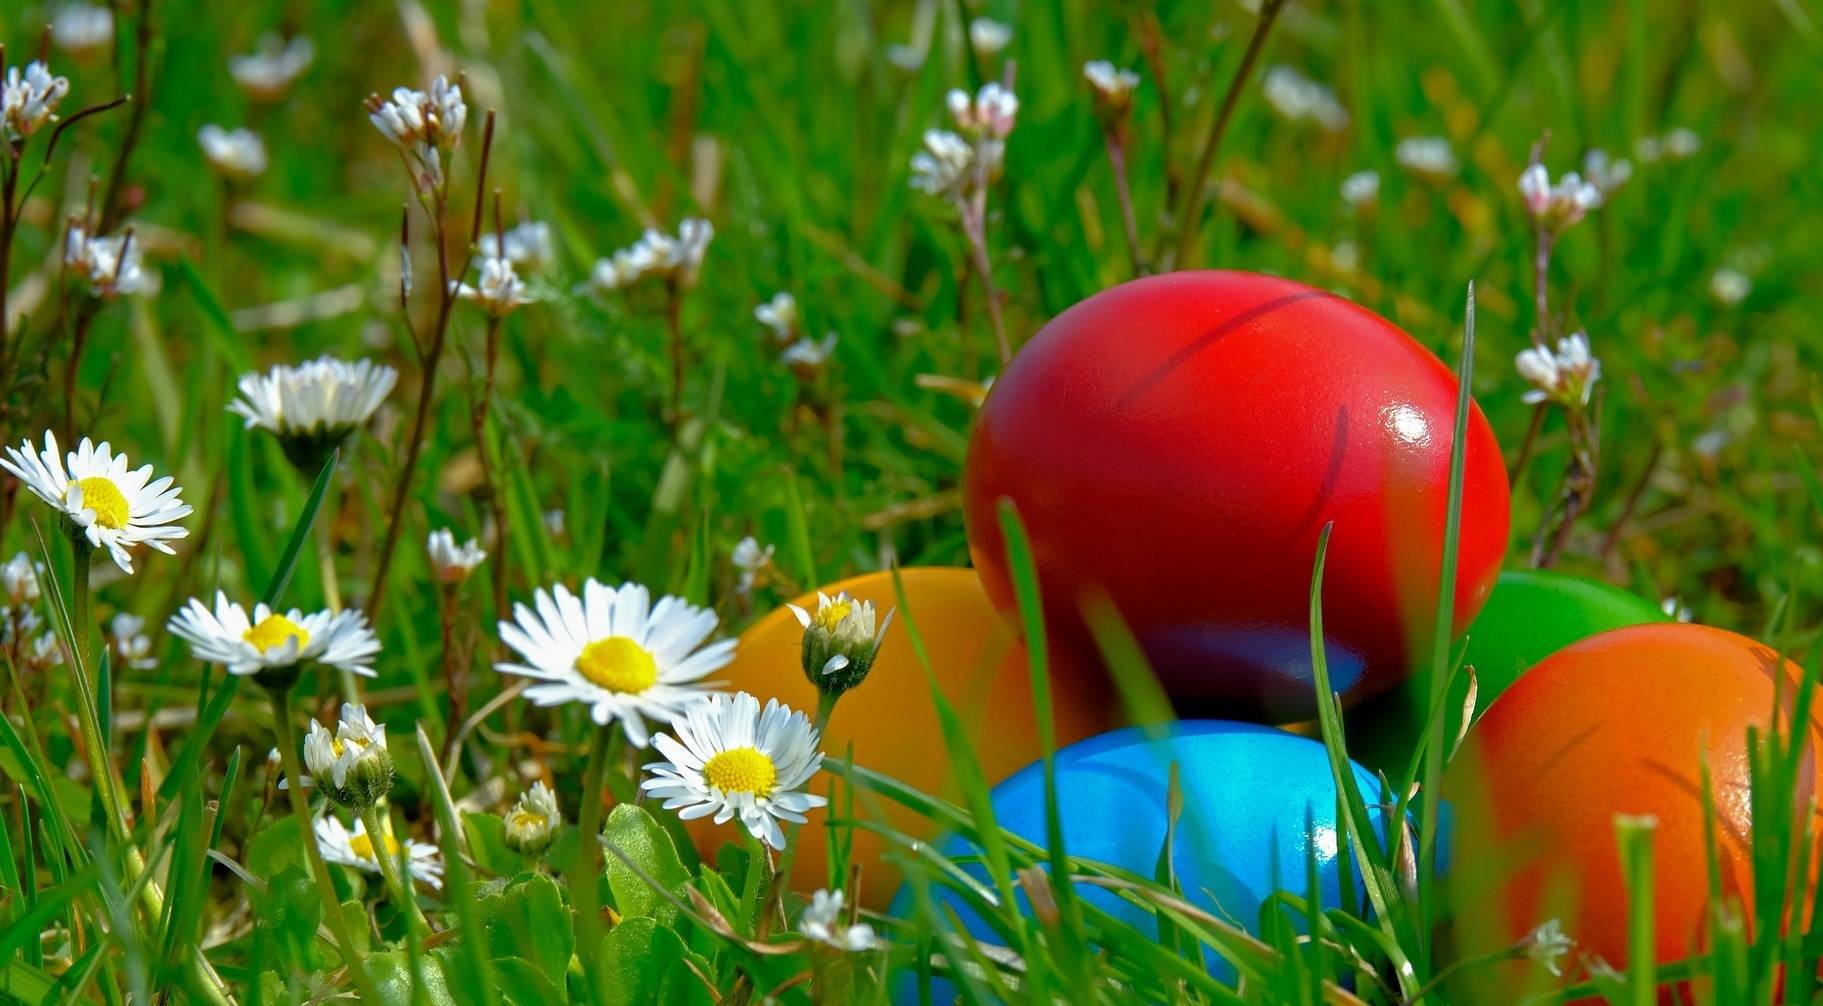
x: 1530, y: 615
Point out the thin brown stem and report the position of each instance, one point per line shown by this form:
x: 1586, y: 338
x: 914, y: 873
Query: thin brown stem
x: 496, y: 500
x: 1196, y: 193
x: 1541, y: 269
x: 1123, y: 191
x: 1634, y: 497
x: 1517, y: 472
x: 974, y: 229
x: 111, y: 205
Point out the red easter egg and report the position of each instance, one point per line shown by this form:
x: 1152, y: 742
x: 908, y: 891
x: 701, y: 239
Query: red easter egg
x: 889, y: 721
x: 1180, y: 441
x: 1620, y: 723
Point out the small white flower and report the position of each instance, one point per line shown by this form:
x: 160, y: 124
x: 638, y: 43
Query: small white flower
x: 1113, y: 86
x: 1682, y: 143
x: 553, y: 522
x: 268, y: 72
x: 271, y: 641
x: 1566, y: 376
x: 946, y: 165
x: 352, y: 764
x: 1606, y: 173
x: 988, y: 36
x: 676, y: 259
x: 499, y: 291
x: 238, y: 153
x: 780, y: 316
x: 822, y: 921
x: 990, y: 113
x: 104, y: 502
x: 528, y: 245
x: 1430, y: 156
x: 732, y: 759
x: 613, y: 650
x: 532, y: 822
x: 43, y: 653
x: 29, y: 99
x: 1547, y: 945
x: 1361, y: 188
x: 427, y: 126
x: 130, y: 646
x: 449, y: 562
x: 1729, y: 286
x: 749, y: 558
x: 112, y: 265
x: 1555, y: 207
x: 1300, y: 99
x: 82, y: 29
x: 356, y: 849
x: 839, y: 637
x: 19, y: 579
x: 809, y: 355
x: 324, y: 399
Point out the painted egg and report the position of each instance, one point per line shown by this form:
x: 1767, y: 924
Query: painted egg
x: 889, y: 720
x: 1620, y: 723
x: 1530, y: 615
x: 1257, y: 803
x: 1179, y: 442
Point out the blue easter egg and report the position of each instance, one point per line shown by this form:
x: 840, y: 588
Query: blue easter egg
x: 1256, y: 802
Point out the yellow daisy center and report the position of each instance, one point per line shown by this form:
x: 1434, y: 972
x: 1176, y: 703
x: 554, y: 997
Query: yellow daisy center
x: 272, y: 631
x: 741, y: 770
x: 525, y: 819
x: 101, y: 495
x: 830, y: 615
x: 619, y: 664
x: 362, y: 846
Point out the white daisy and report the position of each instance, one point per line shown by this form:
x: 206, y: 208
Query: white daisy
x: 266, y: 73
x: 29, y: 99
x: 237, y: 153
x: 731, y: 758
x: 19, y: 579
x: 823, y: 922
x: 528, y: 245
x: 105, y: 503
x: 129, y: 644
x: 354, y: 848
x: 499, y: 290
x: 112, y: 264
x: 313, y: 406
x: 533, y: 821
x: 271, y: 641
x: 615, y: 651
x: 352, y: 764
x: 452, y: 563
x: 83, y: 30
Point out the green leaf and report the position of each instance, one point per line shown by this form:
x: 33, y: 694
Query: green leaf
x: 528, y: 920
x: 639, y: 961
x: 633, y: 831
x: 290, y: 912
x: 525, y: 984
x: 393, y: 979
x: 486, y: 835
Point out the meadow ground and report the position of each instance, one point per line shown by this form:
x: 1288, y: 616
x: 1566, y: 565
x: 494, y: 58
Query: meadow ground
x: 720, y: 282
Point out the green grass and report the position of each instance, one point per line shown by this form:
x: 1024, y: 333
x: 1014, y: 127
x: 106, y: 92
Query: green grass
x: 790, y: 126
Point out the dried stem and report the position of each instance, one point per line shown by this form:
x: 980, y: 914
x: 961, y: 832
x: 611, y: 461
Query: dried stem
x: 1123, y: 190
x: 496, y: 500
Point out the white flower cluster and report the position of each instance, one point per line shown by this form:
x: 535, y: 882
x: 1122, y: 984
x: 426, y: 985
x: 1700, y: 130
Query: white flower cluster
x: 1300, y: 99
x: 22, y: 633
x: 1606, y: 173
x: 112, y: 265
x: 128, y: 644
x: 498, y: 290
x: 527, y: 246
x: 677, y: 259
x: 425, y: 125
x: 29, y: 99
x: 268, y: 72
x: 237, y: 153
x: 1556, y: 207
x: 958, y: 164
x: 1566, y: 376
x: 823, y: 922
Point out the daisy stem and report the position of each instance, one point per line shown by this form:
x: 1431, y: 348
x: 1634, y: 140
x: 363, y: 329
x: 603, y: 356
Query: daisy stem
x: 332, y: 597
x: 587, y: 886
x: 398, y: 886
x: 332, y: 909
x: 781, y: 879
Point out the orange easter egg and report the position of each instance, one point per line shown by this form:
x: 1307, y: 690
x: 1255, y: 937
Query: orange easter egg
x: 1620, y: 723
x: 890, y: 720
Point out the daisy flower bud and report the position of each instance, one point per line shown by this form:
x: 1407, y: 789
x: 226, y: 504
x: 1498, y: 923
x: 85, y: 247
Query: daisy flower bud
x: 83, y: 30
x: 238, y: 154
x: 313, y: 407
x: 352, y: 764
x: 499, y: 291
x: 730, y: 758
x: 1566, y: 376
x: 268, y: 72
x: 111, y: 265
x: 988, y: 36
x: 780, y: 316
x: 1429, y: 156
x: 533, y: 821
x: 449, y: 562
x: 102, y: 502
x: 19, y: 580
x: 840, y: 643
x: 824, y: 922
x: 29, y: 99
